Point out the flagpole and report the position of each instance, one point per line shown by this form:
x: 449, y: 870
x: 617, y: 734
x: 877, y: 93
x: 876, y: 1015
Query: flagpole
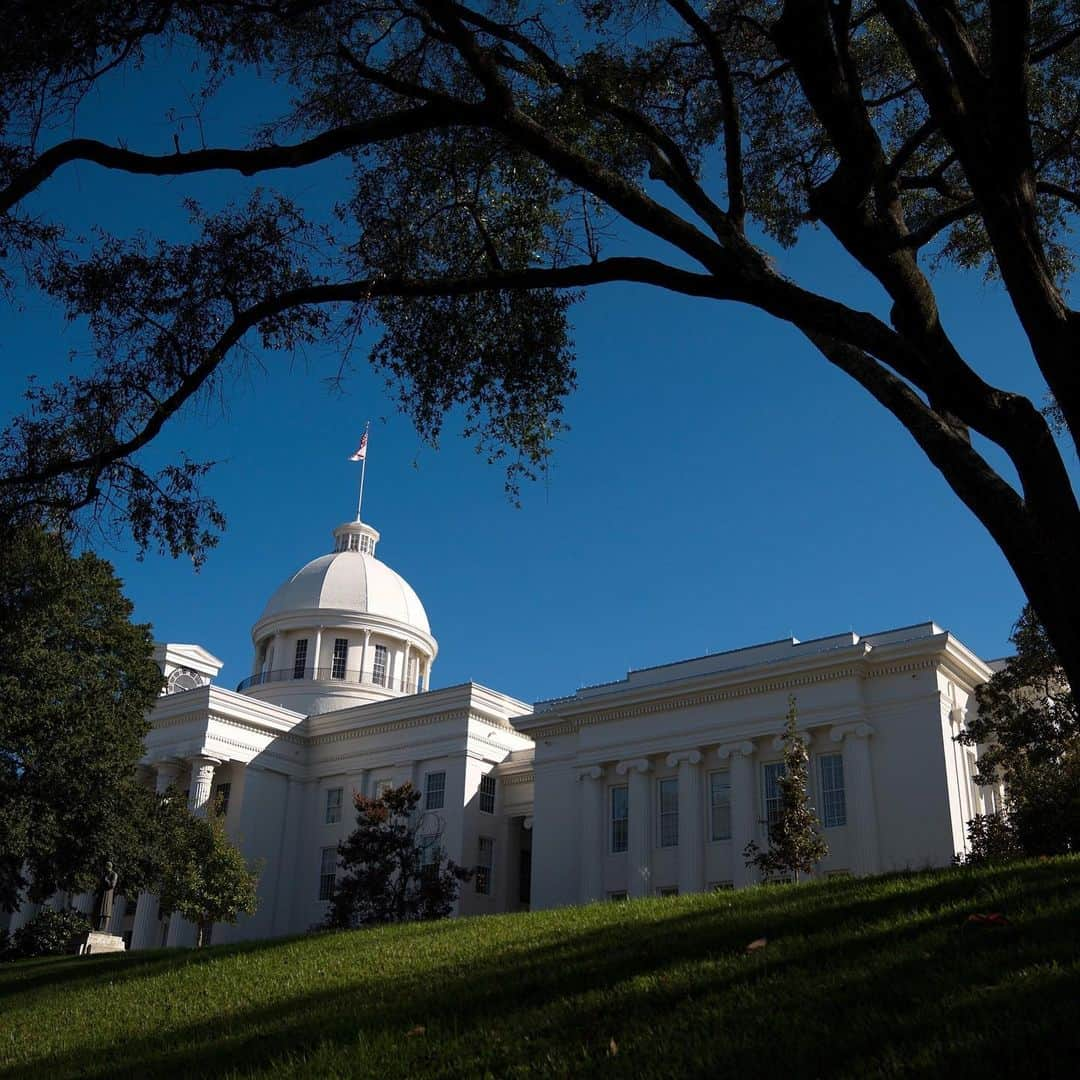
x: 363, y: 470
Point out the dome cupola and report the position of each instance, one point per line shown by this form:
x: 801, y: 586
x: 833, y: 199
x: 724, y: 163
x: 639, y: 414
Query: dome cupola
x: 343, y: 630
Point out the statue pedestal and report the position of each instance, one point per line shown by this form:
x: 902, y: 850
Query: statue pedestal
x: 96, y: 941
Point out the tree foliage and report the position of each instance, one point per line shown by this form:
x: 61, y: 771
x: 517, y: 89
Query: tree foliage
x: 205, y: 878
x: 395, y: 867
x: 1027, y: 727
x: 493, y: 152
x: 796, y: 845
x: 77, y: 678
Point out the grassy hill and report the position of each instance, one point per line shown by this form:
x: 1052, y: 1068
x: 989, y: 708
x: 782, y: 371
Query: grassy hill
x: 859, y: 978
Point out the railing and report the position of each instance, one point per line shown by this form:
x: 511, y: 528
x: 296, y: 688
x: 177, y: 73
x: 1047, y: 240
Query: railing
x: 335, y: 675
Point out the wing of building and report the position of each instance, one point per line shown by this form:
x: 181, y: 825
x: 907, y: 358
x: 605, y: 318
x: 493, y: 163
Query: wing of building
x: 653, y: 784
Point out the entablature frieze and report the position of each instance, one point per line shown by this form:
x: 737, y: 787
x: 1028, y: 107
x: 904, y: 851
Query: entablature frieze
x: 568, y: 724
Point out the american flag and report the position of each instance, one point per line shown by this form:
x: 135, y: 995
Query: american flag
x: 361, y: 450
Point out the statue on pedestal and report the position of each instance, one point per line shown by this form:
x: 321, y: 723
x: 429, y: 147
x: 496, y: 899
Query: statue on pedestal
x: 105, y: 897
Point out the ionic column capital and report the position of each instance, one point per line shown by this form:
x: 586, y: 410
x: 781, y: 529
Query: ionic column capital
x: 677, y: 757
x: 855, y: 731
x: 738, y: 749
x: 594, y: 772
x: 640, y: 765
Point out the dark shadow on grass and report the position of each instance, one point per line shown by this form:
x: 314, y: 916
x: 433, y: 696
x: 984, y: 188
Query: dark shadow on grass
x: 892, y: 959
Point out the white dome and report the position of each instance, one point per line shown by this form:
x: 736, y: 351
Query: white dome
x: 349, y: 581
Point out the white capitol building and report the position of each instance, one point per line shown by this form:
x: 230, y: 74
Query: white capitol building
x: 649, y: 785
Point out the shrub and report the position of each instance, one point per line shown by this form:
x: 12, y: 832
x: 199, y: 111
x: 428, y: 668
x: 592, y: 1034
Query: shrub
x: 48, y: 933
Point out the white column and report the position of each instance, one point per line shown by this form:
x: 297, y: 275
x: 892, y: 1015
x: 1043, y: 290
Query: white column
x: 316, y: 654
x: 859, y: 793
x: 277, y: 661
x: 740, y: 758
x: 285, y: 870
x: 363, y: 656
x: 691, y: 821
x: 202, y: 783
x: 182, y: 932
x: 639, y: 846
x: 592, y: 834
x: 405, y: 669
x: 144, y: 931
x: 356, y: 785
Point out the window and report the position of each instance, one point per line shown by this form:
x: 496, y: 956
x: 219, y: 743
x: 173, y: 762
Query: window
x: 131, y: 905
x: 771, y: 787
x: 487, y: 794
x: 668, y: 819
x: 720, y: 805
x: 434, y: 791
x: 341, y: 652
x: 668, y: 890
x: 378, y: 666
x: 485, y: 849
x: 833, y: 800
x: 429, y: 859
x: 221, y: 799
x: 300, y: 659
x: 721, y: 886
x: 618, y: 894
x: 838, y: 873
x: 327, y: 873
x: 620, y: 814
x: 333, y: 805
x: 381, y: 786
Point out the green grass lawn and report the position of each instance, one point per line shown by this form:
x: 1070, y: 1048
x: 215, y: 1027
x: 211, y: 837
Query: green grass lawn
x: 873, y: 977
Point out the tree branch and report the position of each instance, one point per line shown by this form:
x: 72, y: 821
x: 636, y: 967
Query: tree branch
x: 730, y: 105
x: 430, y: 117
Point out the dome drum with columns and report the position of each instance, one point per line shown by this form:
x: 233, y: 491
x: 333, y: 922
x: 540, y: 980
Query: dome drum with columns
x: 345, y: 629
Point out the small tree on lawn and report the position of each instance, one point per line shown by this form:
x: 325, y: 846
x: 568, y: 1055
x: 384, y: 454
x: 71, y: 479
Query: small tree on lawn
x: 1027, y: 728
x: 208, y: 880
x: 395, y: 867
x: 795, y: 843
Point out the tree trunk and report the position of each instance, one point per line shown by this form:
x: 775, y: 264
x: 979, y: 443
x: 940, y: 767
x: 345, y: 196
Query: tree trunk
x: 203, y: 936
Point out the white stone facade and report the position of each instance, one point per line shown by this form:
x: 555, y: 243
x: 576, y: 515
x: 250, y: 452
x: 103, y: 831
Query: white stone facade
x: 650, y: 785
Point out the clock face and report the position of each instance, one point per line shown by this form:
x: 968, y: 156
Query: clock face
x: 185, y: 679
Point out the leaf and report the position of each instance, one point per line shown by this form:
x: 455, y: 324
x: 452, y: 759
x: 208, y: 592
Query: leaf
x: 757, y: 943
x: 613, y: 1047
x: 418, y: 1030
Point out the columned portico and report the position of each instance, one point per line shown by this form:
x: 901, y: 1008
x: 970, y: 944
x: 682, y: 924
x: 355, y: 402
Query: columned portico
x: 859, y: 782
x: 740, y: 759
x: 592, y: 833
x: 639, y: 840
x: 691, y: 820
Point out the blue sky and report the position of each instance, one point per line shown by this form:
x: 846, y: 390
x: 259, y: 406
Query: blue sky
x: 720, y: 485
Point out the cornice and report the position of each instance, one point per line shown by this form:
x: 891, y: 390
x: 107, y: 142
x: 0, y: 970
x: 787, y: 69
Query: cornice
x: 569, y: 725
x: 403, y: 724
x: 517, y: 778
